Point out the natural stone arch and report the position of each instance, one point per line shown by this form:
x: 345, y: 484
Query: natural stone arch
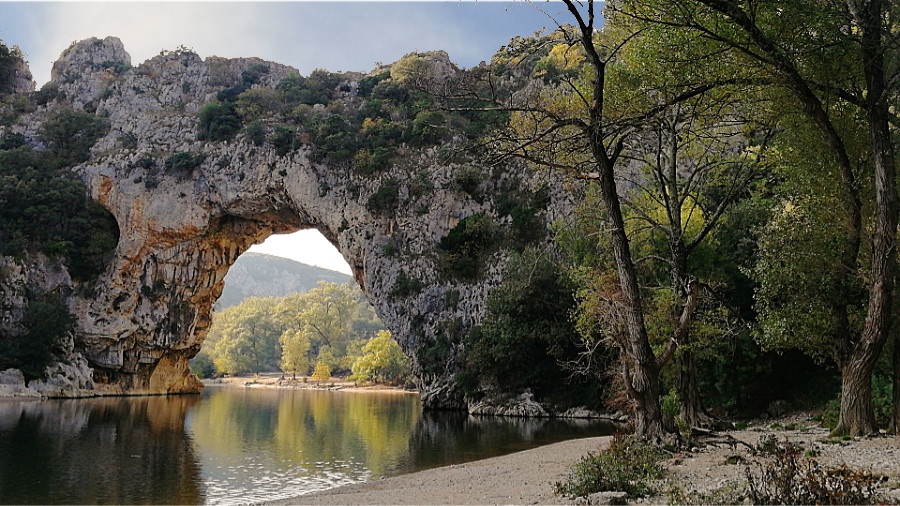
x: 150, y: 310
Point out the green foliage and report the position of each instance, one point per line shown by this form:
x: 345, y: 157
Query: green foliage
x: 330, y: 318
x: 465, y: 247
x: 411, y: 67
x: 382, y: 360
x: 318, y: 88
x: 48, y: 93
x: 10, y: 60
x: 70, y: 133
x: 44, y: 207
x: 282, y: 139
x: 405, y: 286
x: 244, y: 338
x: 257, y: 103
x: 295, y: 351
x: 202, y: 366
x: 526, y: 335
x: 47, y: 324
x: 626, y: 466
x: 386, y: 198
x: 218, y: 122
x: 368, y: 83
x: 322, y: 373
x: 183, y: 163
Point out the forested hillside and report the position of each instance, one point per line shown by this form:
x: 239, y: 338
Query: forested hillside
x: 258, y: 275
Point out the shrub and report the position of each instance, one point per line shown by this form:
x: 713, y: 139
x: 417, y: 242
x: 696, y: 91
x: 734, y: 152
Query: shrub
x: 386, y: 198
x: 47, y: 209
x: 626, y: 466
x: 428, y: 126
x: 258, y: 103
x: 47, y: 322
x: 48, y: 93
x: 70, y: 134
x: 218, y: 122
x: 202, y: 365
x: 793, y: 477
x: 405, y: 286
x: 368, y: 83
x: 183, y: 163
x: 464, y: 247
x: 282, y: 139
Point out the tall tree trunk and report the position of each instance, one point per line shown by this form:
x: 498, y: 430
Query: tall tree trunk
x: 641, y: 375
x: 869, y: 16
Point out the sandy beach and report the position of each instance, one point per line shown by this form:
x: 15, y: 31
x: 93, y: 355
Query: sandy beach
x: 707, y: 473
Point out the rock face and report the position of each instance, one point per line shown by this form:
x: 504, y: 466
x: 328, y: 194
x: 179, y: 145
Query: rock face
x: 147, y: 315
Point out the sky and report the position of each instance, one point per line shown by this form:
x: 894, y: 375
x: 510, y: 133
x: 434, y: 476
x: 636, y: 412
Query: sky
x: 336, y: 36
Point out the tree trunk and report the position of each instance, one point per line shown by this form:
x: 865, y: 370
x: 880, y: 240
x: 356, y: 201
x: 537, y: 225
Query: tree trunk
x: 641, y: 375
x: 857, y: 416
x: 692, y: 410
x: 869, y: 16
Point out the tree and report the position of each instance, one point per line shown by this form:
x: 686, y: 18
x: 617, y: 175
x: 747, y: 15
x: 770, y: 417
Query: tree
x: 294, y: 352
x: 825, y: 53
x: 245, y: 338
x: 329, y: 315
x: 322, y: 373
x: 382, y: 360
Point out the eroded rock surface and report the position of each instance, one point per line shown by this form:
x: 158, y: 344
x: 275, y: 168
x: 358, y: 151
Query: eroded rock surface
x: 148, y: 314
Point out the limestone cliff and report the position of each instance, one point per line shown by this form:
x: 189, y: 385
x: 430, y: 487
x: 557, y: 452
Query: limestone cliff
x: 148, y: 313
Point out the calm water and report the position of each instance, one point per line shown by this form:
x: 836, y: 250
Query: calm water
x: 237, y: 445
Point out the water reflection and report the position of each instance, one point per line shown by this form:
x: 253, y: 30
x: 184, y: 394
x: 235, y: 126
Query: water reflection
x: 237, y: 445
x: 102, y: 451
x: 304, y: 440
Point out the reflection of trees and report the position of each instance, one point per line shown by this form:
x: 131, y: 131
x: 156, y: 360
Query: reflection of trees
x: 99, y: 451
x: 443, y: 438
x: 315, y: 430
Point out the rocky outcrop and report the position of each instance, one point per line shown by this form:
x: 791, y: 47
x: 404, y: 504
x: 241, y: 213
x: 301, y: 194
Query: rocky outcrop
x: 148, y: 313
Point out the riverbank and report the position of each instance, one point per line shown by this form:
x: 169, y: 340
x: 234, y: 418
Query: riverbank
x: 279, y: 380
x: 712, y: 472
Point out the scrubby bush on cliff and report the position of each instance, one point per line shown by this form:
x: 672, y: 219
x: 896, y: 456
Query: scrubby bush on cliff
x: 47, y: 322
x: 46, y: 208
x: 218, y: 122
x: 464, y: 248
x: 70, y: 133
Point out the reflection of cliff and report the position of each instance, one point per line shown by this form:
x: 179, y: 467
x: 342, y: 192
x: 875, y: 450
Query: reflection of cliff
x: 117, y: 451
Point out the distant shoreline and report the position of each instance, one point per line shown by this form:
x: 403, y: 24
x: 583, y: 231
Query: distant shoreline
x: 285, y: 381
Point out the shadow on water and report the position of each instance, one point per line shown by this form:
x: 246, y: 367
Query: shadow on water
x: 445, y: 438
x: 98, y: 451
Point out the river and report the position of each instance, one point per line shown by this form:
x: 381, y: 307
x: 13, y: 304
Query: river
x: 232, y: 445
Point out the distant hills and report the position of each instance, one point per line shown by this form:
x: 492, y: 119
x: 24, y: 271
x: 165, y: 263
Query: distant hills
x: 258, y: 275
